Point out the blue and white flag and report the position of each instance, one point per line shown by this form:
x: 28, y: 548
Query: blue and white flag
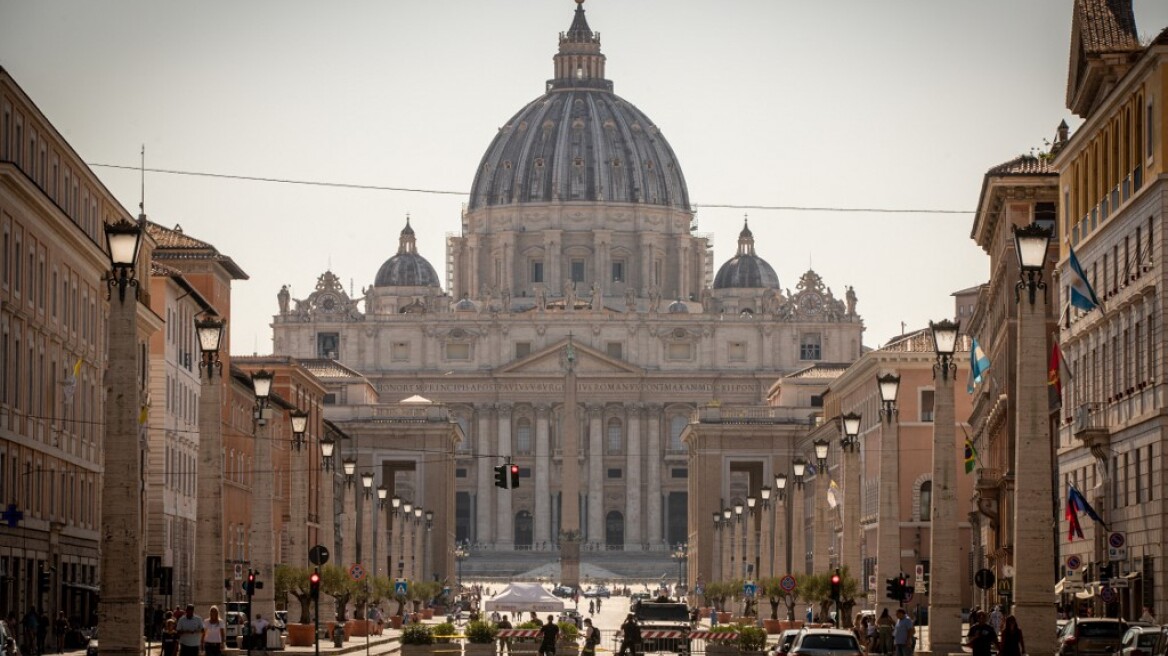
x: 979, y: 363
x: 1082, y: 296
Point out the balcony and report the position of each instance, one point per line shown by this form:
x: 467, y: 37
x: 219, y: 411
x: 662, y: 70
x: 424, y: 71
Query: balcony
x: 753, y: 414
x: 1090, y: 425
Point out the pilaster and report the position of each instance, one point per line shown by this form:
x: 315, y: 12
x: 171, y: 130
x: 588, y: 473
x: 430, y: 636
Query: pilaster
x: 543, y: 461
x: 595, y: 474
x: 634, y: 478
x: 504, y: 517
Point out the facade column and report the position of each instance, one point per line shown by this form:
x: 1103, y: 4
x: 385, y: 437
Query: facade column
x: 210, y: 562
x: 683, y: 267
x: 727, y: 550
x: 262, y: 543
x: 820, y: 552
x: 552, y: 269
x: 782, y: 564
x: 328, y: 512
x: 766, y: 563
x: 716, y: 553
x: 654, y: 455
x: 484, y: 505
x: 543, y: 463
x: 419, y: 550
x: 297, y: 551
x: 595, y: 474
x: 633, y: 519
x: 365, y: 549
x: 1033, y: 470
x: 121, y: 499
x: 349, y: 528
x: 504, y: 518
x: 944, y: 596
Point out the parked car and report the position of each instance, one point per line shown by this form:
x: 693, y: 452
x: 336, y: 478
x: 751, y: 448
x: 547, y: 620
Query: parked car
x: 786, y: 639
x: 1139, y: 641
x: 825, y: 642
x: 1091, y: 636
x: 564, y: 591
x: 598, y: 591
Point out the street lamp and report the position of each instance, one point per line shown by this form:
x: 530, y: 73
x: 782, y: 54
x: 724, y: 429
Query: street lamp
x: 799, y: 468
x: 429, y: 519
x: 367, y: 483
x: 1034, y: 466
x: 679, y: 555
x: 299, y: 427
x: 210, y: 332
x: 121, y: 531
x: 850, y: 439
x: 738, y: 511
x: 460, y: 554
x: 349, y: 467
x: 382, y: 494
x: 263, y: 553
x: 944, y: 594
x: 327, y: 446
x: 261, y: 382
x: 780, y: 486
x: 123, y: 239
x: 821, y: 447
x: 888, y: 517
x: 765, y: 493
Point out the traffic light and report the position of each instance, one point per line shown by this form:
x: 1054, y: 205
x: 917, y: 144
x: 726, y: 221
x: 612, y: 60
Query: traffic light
x: 314, y: 584
x: 250, y: 586
x: 835, y: 586
x: 501, y: 476
x: 891, y: 590
x: 901, y: 588
x: 514, y: 476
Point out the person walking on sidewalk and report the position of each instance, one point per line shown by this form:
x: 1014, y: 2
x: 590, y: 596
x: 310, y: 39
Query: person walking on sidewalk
x: 190, y: 632
x: 903, y: 633
x: 549, y: 634
x: 1011, y: 642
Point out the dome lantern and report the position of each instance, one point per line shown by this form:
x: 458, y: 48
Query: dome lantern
x: 746, y: 270
x: 407, y: 268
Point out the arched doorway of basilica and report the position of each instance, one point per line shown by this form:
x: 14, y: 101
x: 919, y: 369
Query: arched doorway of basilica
x: 614, y: 531
x: 524, y: 532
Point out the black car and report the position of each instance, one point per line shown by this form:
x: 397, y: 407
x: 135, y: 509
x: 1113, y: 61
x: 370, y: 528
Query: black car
x: 1091, y: 636
x: 564, y: 591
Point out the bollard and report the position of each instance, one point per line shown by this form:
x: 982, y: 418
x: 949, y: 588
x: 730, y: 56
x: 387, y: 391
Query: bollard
x: 339, y: 635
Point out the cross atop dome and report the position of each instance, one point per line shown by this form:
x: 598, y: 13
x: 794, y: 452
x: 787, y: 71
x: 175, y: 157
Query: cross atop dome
x: 579, y: 62
x: 745, y: 239
x: 407, y: 243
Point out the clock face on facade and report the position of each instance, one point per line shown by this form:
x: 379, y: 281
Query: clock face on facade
x: 812, y: 303
x: 328, y: 303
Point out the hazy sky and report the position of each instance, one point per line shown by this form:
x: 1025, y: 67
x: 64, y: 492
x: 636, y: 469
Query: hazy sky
x: 898, y: 104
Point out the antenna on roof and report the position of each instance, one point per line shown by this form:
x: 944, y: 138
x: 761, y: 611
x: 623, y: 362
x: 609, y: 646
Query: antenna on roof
x: 142, y: 173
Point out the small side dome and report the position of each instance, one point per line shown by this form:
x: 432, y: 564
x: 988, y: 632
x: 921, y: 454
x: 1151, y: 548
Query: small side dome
x: 407, y: 268
x: 746, y: 270
x: 678, y: 307
x: 465, y: 305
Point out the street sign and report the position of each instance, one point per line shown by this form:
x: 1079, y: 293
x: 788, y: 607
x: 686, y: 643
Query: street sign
x: 238, y: 571
x: 1118, y: 583
x: 318, y: 555
x: 1107, y: 595
x: 787, y: 583
x: 1116, y: 546
x: 356, y: 572
x: 984, y: 579
x: 400, y: 587
x: 1074, y: 562
x: 699, y: 589
x: 919, y: 572
x: 749, y: 589
x: 1005, y: 587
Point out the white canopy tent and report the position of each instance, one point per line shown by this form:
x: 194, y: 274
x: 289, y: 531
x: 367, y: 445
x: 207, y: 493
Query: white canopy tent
x: 524, y: 597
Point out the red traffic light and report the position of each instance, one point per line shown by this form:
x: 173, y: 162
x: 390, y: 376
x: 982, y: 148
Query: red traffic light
x: 314, y: 578
x: 835, y: 579
x: 514, y: 469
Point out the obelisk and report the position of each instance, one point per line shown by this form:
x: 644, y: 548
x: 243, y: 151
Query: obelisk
x: 570, y: 480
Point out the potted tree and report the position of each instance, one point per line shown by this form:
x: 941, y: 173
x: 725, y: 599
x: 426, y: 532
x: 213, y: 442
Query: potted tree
x: 567, y: 643
x: 417, y: 640
x: 480, y: 638
x: 291, y: 580
x: 770, y: 589
x: 335, y: 582
x: 751, y: 639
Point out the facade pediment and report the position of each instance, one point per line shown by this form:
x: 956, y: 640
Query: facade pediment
x: 551, y: 360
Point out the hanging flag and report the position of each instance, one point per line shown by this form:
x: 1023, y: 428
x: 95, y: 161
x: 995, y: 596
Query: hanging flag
x: 1082, y: 295
x: 1056, y: 371
x: 70, y: 384
x: 143, y: 417
x: 970, y: 456
x: 1076, y: 503
x: 810, y: 469
x: 833, y: 494
x: 979, y: 363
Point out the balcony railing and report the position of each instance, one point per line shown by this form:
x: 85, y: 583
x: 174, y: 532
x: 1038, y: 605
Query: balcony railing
x: 759, y: 414
x: 1090, y: 417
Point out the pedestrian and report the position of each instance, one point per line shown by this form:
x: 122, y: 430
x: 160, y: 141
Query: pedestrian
x: 1011, y: 642
x: 630, y: 636
x: 548, y: 633
x: 29, y: 630
x: 903, y: 634
x: 996, y: 619
x: 713, y: 617
x: 259, y: 636
x: 505, y: 642
x: 591, y: 607
x: 981, y: 637
x: 884, y: 629
x: 860, y: 629
x: 190, y: 632
x: 169, y: 638
x: 214, y: 633
x: 591, y: 638
x: 42, y: 631
x: 60, y: 629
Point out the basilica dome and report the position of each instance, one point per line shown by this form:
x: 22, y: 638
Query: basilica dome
x: 579, y: 142
x: 407, y: 268
x: 746, y: 270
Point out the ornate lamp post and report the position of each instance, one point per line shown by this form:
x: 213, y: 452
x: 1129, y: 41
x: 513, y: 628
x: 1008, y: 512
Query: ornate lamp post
x: 679, y: 554
x: 749, y: 557
x: 327, y: 447
x: 349, y: 467
x: 121, y: 502
x: 407, y: 510
x: 727, y: 545
x: 264, y: 598
x: 821, y: 554
x: 781, y: 533
x: 1033, y: 459
x: 299, y: 419
x: 460, y: 554
x: 766, y: 541
x: 209, y: 557
x: 716, y: 573
x: 426, y: 545
x: 415, y: 561
x: 944, y: 598
x: 739, y: 565
x: 798, y: 519
x: 888, y: 520
x: 850, y: 445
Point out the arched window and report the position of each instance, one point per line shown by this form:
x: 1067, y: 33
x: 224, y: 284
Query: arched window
x: 615, y: 436
x: 926, y: 501
x: 676, y: 425
x: 523, y: 436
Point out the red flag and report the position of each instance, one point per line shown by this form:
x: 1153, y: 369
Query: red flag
x: 1073, y: 527
x: 1054, y: 375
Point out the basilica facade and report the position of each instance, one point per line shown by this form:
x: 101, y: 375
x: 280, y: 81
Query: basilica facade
x: 578, y: 231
